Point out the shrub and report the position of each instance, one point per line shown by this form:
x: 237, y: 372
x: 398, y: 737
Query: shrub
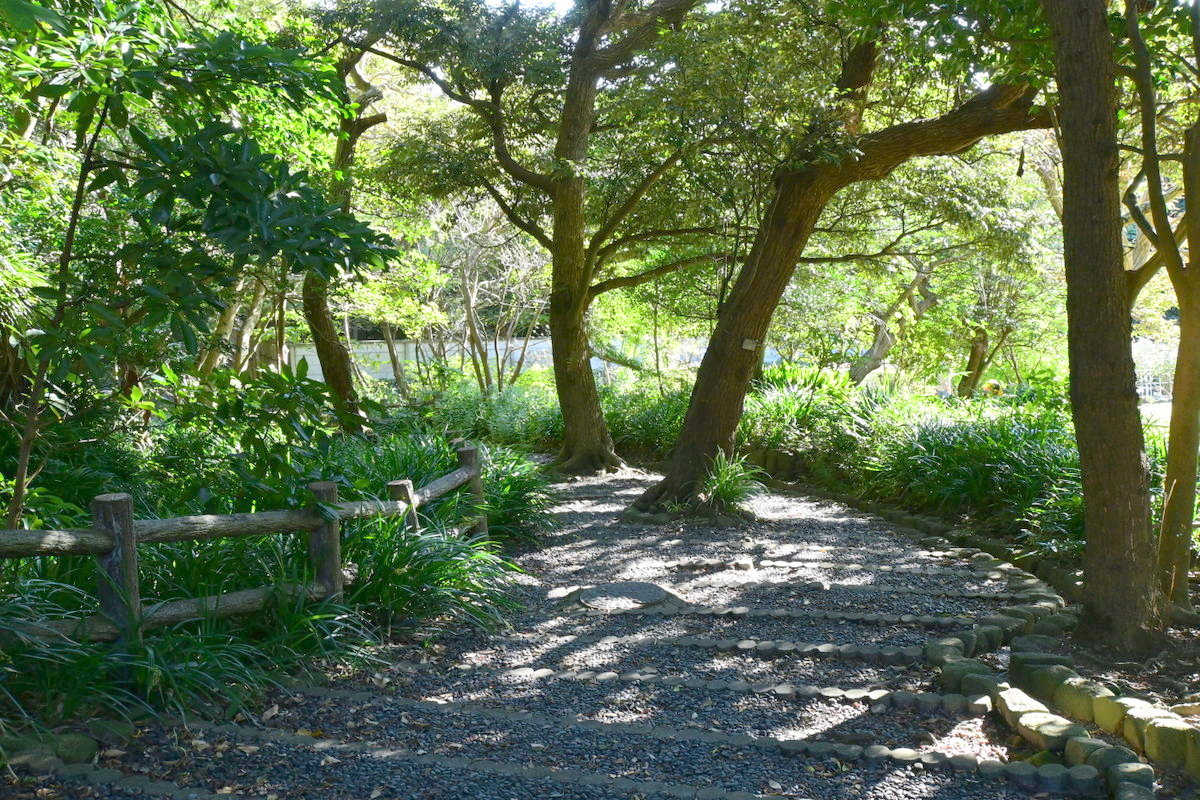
x: 433, y: 575
x: 730, y: 483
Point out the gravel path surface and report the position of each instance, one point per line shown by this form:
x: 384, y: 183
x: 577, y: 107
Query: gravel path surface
x: 488, y: 717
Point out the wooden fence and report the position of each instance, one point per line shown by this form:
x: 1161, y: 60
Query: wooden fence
x: 115, y: 535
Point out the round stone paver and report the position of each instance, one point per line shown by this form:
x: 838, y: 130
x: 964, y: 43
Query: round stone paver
x: 622, y: 595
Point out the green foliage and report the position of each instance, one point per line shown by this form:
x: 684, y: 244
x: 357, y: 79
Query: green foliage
x: 431, y: 577
x: 730, y: 482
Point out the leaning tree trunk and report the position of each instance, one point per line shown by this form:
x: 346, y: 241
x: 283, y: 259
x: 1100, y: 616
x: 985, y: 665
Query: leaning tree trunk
x: 734, y: 351
x: 800, y: 195
x: 331, y: 352
x: 397, y: 365
x: 977, y: 361
x: 1179, y: 485
x: 1123, y: 605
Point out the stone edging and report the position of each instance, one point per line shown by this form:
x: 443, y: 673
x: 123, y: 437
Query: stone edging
x: 760, y: 648
x: 1158, y: 733
x: 1051, y: 777
x: 92, y: 775
x: 673, y: 609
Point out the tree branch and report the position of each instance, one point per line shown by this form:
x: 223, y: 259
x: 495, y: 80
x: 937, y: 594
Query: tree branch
x: 615, y: 245
x: 641, y: 36
x: 489, y: 110
x: 622, y: 213
x: 625, y: 281
x: 516, y: 219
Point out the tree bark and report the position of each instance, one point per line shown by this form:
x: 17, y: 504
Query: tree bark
x: 976, y: 363
x: 1123, y: 605
x: 397, y: 365
x: 333, y: 355
x: 1179, y: 484
x: 222, y: 331
x: 801, y: 194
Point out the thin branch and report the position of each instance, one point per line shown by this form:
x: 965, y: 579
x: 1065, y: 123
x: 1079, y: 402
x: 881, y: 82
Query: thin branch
x: 659, y: 233
x: 626, y: 281
x: 489, y: 110
x: 516, y: 219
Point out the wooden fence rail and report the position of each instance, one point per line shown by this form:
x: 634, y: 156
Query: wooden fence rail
x: 115, y: 535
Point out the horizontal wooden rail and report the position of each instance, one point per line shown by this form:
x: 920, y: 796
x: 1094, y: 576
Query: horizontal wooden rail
x: 98, y: 628
x: 21, y: 544
x: 446, y: 483
x: 114, y: 537
x: 27, y: 543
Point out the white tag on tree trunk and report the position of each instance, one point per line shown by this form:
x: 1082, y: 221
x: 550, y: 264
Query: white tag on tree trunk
x: 749, y: 344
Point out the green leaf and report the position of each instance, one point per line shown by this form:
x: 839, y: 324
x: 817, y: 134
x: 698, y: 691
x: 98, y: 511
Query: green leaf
x: 24, y: 16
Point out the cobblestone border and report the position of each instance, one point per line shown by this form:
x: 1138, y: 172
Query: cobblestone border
x: 689, y: 609
x: 1150, y: 729
x: 761, y: 648
x: 825, y: 586
x: 1083, y: 779
x: 94, y: 776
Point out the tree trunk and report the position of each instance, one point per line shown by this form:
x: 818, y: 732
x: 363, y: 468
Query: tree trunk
x: 397, y: 364
x: 243, y: 342
x: 734, y: 351
x: 332, y: 353
x: 1123, y: 605
x: 976, y: 363
x: 587, y: 445
x: 222, y: 331
x: 801, y: 193
x: 1179, y: 485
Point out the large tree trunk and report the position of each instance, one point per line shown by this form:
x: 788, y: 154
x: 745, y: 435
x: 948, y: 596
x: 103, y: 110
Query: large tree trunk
x: 1123, y: 605
x: 800, y: 196
x: 977, y: 361
x: 587, y: 445
x: 734, y: 351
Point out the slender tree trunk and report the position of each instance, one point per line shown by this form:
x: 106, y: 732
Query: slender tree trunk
x: 1123, y: 605
x: 397, y: 364
x: 976, y: 363
x: 1179, y: 486
x: 243, y: 342
x: 334, y: 357
x: 222, y: 331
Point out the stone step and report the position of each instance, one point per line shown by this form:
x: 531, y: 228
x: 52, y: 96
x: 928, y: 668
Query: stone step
x: 578, y: 755
x: 69, y: 780
x: 735, y: 579
x: 946, y: 621
x: 724, y: 643
x: 803, y: 561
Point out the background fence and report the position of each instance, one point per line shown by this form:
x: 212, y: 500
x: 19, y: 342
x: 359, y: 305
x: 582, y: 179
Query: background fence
x: 115, y: 535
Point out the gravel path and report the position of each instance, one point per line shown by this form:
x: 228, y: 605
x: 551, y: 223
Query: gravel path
x: 769, y: 697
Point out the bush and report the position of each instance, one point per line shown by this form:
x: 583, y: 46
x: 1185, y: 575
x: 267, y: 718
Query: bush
x: 730, y: 483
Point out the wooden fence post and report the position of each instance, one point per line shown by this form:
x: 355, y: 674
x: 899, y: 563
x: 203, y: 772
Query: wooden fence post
x: 325, y: 543
x: 468, y: 457
x: 119, y: 592
x: 402, y: 491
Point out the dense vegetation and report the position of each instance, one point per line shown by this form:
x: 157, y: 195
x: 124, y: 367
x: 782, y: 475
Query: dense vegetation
x: 665, y: 233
